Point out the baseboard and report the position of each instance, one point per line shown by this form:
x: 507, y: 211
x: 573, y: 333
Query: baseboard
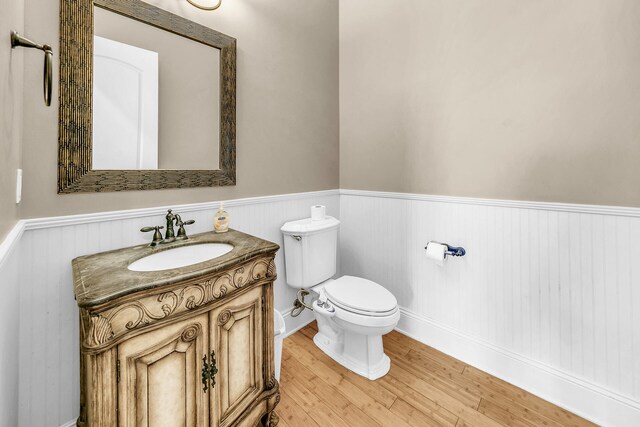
x: 578, y: 396
x: 581, y: 397
x: 294, y: 324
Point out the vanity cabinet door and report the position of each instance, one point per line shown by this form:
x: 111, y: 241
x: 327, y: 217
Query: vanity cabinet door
x: 160, y: 376
x: 237, y: 337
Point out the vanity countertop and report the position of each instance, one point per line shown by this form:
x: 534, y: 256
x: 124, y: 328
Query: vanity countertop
x: 103, y: 277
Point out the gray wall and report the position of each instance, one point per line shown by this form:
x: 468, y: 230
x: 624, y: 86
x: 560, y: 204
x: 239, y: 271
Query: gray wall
x: 11, y: 18
x: 287, y: 115
x: 499, y: 99
x: 526, y: 100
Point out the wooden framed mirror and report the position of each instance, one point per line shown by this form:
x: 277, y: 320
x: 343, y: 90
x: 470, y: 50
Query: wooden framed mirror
x: 84, y: 138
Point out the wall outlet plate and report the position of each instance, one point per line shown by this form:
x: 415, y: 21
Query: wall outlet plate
x: 18, y: 186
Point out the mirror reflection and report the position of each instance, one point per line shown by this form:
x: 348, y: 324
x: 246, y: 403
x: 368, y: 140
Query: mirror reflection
x: 156, y: 98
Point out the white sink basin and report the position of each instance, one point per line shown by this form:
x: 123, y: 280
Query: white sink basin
x: 180, y: 257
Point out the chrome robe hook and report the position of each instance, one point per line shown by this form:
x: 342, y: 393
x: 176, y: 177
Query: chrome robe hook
x: 18, y: 41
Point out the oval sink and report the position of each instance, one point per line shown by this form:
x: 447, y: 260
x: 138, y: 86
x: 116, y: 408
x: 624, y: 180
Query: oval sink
x: 180, y: 257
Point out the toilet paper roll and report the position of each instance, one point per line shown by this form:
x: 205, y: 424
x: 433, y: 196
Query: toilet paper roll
x: 436, y: 252
x: 318, y: 212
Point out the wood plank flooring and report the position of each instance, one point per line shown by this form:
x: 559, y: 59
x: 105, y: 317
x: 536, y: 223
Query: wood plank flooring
x: 423, y: 388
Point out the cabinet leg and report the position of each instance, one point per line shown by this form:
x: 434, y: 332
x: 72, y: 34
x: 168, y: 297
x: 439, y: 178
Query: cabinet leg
x: 271, y: 419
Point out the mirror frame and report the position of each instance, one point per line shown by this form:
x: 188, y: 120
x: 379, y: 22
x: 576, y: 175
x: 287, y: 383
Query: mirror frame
x: 75, y: 172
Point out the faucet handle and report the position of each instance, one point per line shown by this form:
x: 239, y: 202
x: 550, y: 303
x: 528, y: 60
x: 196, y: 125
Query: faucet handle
x: 157, y: 236
x: 147, y: 229
x: 182, y: 234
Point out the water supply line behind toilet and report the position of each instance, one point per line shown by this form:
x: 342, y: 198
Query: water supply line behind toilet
x: 299, y: 304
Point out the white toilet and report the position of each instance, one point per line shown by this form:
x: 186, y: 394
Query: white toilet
x: 352, y: 313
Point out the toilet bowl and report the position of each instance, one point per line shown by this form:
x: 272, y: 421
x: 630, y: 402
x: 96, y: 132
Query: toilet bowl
x: 352, y: 312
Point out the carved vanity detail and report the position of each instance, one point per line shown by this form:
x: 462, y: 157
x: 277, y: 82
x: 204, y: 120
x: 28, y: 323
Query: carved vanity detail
x: 192, y: 346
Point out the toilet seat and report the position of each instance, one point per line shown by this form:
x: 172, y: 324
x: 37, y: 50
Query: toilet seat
x: 361, y: 296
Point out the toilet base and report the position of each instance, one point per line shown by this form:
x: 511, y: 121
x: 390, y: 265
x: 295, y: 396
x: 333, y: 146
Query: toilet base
x: 362, y: 354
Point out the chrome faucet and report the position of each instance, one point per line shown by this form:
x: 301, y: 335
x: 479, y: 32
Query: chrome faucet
x: 170, y: 233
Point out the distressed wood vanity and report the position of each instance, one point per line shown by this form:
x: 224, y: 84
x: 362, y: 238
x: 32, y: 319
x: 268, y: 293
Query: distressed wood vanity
x: 191, y: 346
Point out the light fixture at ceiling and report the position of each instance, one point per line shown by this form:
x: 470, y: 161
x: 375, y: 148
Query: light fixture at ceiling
x: 199, y: 6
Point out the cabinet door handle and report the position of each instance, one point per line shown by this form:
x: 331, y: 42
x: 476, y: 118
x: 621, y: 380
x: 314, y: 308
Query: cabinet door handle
x: 205, y: 374
x: 209, y: 372
x: 213, y: 369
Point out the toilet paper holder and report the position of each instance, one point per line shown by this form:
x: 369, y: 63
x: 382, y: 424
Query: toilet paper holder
x: 451, y: 250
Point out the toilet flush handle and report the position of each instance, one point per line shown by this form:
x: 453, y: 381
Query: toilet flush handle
x: 296, y: 237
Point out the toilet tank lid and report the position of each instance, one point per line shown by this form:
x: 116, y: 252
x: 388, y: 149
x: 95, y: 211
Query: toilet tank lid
x: 307, y: 225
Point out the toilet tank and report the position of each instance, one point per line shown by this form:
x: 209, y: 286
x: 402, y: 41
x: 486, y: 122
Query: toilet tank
x: 310, y: 249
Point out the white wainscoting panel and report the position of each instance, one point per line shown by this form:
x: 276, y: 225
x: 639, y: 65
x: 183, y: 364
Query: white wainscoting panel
x: 557, y: 287
x: 48, y: 351
x: 554, y: 287
x: 9, y: 326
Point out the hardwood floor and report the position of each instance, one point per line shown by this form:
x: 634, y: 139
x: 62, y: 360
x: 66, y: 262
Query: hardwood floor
x: 423, y: 388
